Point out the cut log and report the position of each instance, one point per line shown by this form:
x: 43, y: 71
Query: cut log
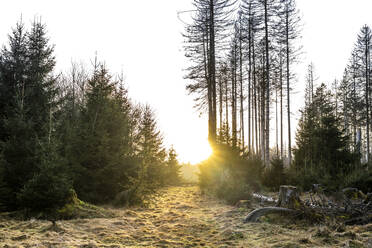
x: 264, y: 199
x: 289, y: 197
x: 256, y: 214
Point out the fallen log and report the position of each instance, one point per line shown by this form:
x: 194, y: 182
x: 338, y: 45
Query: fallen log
x: 256, y: 214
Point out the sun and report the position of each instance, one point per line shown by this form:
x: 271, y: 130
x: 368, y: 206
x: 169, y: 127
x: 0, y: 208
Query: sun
x: 195, y: 152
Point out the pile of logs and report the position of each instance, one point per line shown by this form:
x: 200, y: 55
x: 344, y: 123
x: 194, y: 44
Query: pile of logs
x: 350, y: 205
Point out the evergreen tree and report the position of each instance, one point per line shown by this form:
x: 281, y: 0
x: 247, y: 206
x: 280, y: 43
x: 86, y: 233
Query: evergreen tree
x: 99, y: 155
x: 173, y: 168
x: 151, y: 151
x: 322, y: 154
x: 29, y: 92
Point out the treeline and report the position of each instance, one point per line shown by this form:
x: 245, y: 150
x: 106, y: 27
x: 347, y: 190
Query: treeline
x: 79, y: 131
x: 241, y: 55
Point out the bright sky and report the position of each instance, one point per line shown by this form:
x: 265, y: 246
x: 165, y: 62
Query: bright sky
x: 143, y: 39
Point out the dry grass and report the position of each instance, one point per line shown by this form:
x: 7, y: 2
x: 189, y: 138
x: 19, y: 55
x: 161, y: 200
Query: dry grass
x: 181, y: 217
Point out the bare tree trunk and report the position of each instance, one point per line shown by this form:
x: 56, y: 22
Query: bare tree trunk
x: 256, y: 131
x: 288, y: 88
x: 250, y: 134
x: 367, y: 99
x: 267, y: 131
x: 234, y: 100
x: 220, y: 99
x: 227, y: 110
x: 276, y: 120
x: 241, y: 86
x: 281, y: 107
x: 263, y: 133
x: 212, y: 75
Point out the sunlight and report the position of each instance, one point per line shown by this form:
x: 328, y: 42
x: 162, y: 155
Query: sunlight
x: 199, y: 152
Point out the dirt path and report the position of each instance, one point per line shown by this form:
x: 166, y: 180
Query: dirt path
x: 181, y: 217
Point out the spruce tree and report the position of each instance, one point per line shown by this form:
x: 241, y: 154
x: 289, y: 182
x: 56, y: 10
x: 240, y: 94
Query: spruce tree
x: 322, y: 154
x: 151, y: 151
x: 29, y: 90
x: 173, y: 168
x: 99, y: 154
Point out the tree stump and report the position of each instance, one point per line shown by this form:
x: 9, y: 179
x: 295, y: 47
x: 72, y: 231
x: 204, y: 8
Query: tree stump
x: 289, y: 197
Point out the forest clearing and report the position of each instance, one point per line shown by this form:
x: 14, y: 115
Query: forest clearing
x: 189, y: 123
x: 180, y: 217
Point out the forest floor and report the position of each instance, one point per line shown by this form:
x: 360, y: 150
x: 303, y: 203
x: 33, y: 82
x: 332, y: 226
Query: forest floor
x: 179, y: 217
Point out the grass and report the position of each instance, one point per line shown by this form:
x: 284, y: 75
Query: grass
x: 178, y: 217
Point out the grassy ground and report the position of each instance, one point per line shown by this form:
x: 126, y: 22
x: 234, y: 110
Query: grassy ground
x: 181, y: 217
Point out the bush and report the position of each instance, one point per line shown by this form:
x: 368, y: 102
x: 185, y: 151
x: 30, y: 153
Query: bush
x: 360, y: 179
x: 233, y: 191
x: 274, y: 176
x: 230, y: 176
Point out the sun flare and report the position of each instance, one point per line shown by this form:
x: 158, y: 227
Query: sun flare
x: 198, y: 152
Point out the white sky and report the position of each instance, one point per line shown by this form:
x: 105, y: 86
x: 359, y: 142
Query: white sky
x: 143, y: 38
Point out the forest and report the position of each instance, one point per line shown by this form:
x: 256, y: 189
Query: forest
x: 84, y: 165
x: 242, y: 77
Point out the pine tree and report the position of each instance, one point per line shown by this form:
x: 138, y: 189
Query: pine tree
x: 27, y: 124
x: 173, y: 168
x: 151, y: 151
x: 363, y: 50
x: 99, y: 155
x: 322, y: 154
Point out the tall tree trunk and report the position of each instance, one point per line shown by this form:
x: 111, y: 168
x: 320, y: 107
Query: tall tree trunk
x: 250, y: 134
x: 241, y: 86
x: 256, y: 93
x: 281, y: 107
x: 233, y: 99
x: 220, y: 100
x: 276, y: 120
x: 288, y: 87
x: 227, y: 111
x: 212, y: 75
x: 367, y: 96
x: 267, y: 131
x: 263, y: 92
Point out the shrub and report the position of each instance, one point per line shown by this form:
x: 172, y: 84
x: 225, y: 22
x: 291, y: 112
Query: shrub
x: 233, y: 190
x: 230, y: 176
x: 360, y: 179
x: 274, y: 176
